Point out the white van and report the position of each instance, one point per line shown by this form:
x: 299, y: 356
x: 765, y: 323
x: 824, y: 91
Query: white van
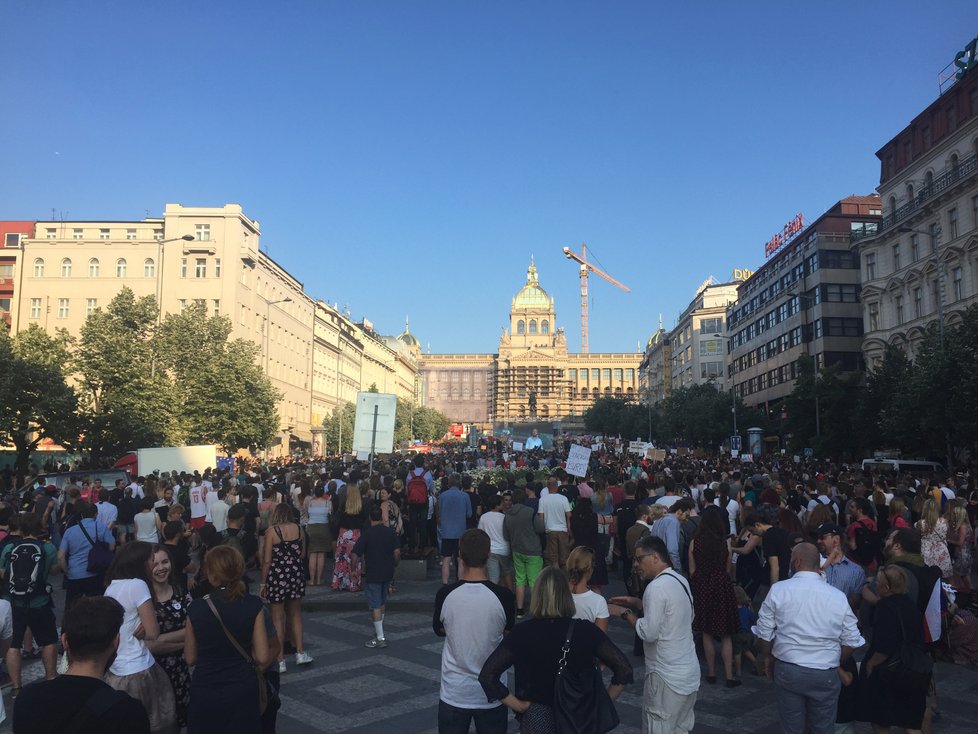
x: 902, y: 466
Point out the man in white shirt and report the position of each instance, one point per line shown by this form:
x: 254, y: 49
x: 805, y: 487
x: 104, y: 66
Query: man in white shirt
x: 809, y: 628
x: 672, y: 671
x: 556, y: 520
x: 500, y: 565
x: 108, y: 513
x: 472, y: 614
x: 219, y: 510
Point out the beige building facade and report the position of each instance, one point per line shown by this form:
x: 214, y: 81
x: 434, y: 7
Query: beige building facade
x: 313, y: 355
x: 922, y: 262
x: 531, y: 377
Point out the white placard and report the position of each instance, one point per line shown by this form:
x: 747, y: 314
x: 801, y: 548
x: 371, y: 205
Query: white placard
x: 577, y: 460
x: 364, y: 437
x: 505, y: 457
x: 517, y: 446
x: 363, y: 455
x: 746, y: 458
x: 636, y: 447
x: 595, y: 447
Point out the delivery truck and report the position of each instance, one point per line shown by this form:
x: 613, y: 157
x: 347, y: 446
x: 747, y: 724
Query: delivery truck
x: 143, y: 462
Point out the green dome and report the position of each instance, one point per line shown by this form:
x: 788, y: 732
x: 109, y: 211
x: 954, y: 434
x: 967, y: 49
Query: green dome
x: 531, y: 295
x: 407, y: 338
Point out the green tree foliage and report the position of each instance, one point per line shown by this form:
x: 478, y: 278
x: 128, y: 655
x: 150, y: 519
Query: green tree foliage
x: 125, y: 401
x: 410, y: 421
x: 339, y: 428
x: 36, y: 402
x: 220, y: 392
x: 882, y: 421
x: 835, y: 395
x: 697, y: 415
x: 613, y: 416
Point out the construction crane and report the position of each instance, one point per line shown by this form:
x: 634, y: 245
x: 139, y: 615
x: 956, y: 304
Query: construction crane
x: 586, y: 268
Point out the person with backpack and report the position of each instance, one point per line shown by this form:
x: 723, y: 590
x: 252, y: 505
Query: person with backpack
x: 25, y: 566
x: 418, y: 486
x: 862, y: 538
x: 73, y: 554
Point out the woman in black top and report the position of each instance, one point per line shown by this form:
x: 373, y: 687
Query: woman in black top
x: 898, y: 620
x: 533, y: 648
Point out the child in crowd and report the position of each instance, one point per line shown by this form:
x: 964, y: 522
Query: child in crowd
x: 743, y: 641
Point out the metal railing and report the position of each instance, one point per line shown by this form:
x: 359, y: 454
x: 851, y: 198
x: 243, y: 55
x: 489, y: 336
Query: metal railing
x: 937, y: 186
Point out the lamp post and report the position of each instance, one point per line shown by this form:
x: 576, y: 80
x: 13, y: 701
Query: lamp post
x: 159, y: 286
x: 934, y: 235
x: 268, y: 310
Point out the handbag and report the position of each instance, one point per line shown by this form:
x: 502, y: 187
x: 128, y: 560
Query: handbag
x: 99, y: 557
x: 909, y: 669
x: 267, y: 695
x: 581, y: 701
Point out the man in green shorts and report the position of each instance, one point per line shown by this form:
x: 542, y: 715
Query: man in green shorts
x: 521, y: 527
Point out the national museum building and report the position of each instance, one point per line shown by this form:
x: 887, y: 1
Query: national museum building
x: 531, y: 377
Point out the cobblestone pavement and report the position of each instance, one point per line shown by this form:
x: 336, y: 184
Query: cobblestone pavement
x: 352, y: 689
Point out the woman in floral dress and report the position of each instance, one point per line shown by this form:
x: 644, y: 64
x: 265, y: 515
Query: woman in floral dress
x: 283, y: 578
x: 933, y: 537
x: 961, y: 538
x: 171, y: 613
x: 350, y: 520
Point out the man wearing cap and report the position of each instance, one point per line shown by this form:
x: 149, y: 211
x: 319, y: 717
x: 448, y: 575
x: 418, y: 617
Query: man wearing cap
x: 839, y: 571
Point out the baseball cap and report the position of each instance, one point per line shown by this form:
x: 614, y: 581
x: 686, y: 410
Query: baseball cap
x: 828, y: 528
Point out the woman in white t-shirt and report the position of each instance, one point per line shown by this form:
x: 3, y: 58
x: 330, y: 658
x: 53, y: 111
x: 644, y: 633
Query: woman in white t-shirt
x: 725, y: 502
x: 135, y: 670
x: 588, y: 604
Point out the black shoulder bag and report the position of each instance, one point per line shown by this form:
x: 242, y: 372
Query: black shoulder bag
x: 909, y: 669
x: 267, y: 696
x: 581, y: 701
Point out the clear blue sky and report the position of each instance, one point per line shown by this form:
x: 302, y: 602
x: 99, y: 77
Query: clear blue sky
x: 409, y: 157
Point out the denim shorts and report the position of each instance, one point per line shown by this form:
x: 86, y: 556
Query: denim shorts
x: 376, y: 595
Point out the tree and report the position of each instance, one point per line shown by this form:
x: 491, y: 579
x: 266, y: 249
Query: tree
x: 821, y: 411
x: 221, y: 394
x: 125, y: 399
x: 612, y: 416
x: 36, y: 402
x: 884, y: 414
x: 339, y: 428
x: 696, y: 415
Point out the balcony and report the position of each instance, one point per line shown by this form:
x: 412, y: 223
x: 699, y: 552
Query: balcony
x: 964, y: 169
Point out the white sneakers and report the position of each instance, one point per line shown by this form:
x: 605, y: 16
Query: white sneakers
x: 281, y: 666
x: 303, y: 658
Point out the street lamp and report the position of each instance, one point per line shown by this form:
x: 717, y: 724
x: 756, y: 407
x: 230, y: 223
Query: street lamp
x: 159, y: 286
x: 268, y: 309
x: 934, y: 238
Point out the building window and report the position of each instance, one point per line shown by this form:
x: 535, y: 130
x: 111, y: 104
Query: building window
x: 149, y: 268
x: 952, y: 223
x: 217, y: 271
x: 90, y: 305
x: 533, y: 326
x: 39, y: 267
x: 914, y: 248
x: 35, y: 308
x: 76, y: 234
x: 103, y: 234
x: 918, y: 303
x: 709, y: 347
x: 120, y: 268
x: 606, y: 375
x: 200, y: 267
x: 66, y: 268
x: 618, y: 374
x: 62, y: 308
x: 874, y: 316
x: 52, y: 234
x: 130, y: 234
x: 871, y: 266
x: 956, y: 279
x: 521, y: 327
x: 544, y: 327
x: 898, y: 302
x: 896, y: 256
x: 93, y: 268
x: 630, y: 374
x: 572, y: 374
x: 202, y: 233
x: 934, y: 234
x: 158, y: 235
x: 711, y: 326
x: 595, y: 374
x: 183, y: 267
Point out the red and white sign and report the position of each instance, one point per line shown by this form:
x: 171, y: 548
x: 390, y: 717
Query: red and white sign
x: 785, y: 236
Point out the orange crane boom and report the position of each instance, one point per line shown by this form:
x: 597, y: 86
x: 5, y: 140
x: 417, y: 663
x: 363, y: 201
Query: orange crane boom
x: 587, y: 268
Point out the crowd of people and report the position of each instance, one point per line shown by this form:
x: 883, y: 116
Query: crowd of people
x: 793, y: 570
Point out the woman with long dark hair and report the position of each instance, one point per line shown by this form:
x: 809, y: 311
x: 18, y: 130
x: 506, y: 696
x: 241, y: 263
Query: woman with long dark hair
x: 714, y: 602
x: 135, y: 670
x: 172, y: 604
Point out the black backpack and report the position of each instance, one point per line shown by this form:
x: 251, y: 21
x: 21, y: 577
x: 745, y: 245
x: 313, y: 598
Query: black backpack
x: 26, y: 572
x: 869, y: 545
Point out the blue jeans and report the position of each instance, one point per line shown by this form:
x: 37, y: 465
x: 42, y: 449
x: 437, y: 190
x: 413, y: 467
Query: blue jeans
x: 453, y: 720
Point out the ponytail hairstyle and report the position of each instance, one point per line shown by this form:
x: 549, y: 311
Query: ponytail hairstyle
x: 224, y: 567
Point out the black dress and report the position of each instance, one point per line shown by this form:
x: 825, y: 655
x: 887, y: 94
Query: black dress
x: 172, y: 616
x: 896, y: 616
x: 224, y: 688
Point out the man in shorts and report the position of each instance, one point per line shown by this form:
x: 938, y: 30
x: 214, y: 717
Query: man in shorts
x: 378, y: 547
x: 31, y: 605
x: 454, y: 508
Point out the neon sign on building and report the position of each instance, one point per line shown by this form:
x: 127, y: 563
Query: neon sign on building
x: 785, y: 236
